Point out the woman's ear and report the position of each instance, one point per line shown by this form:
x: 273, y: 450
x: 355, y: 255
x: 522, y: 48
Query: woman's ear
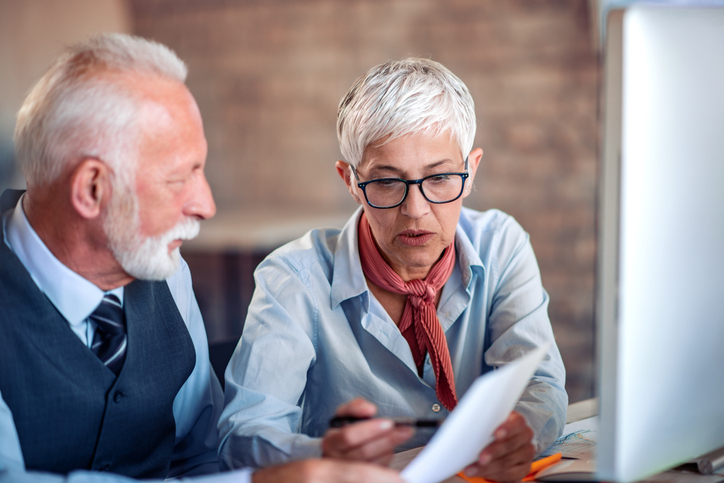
x: 90, y: 187
x: 473, y: 162
x: 344, y: 170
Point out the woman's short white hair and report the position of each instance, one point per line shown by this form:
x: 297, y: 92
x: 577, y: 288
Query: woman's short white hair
x: 404, y: 97
x: 79, y: 108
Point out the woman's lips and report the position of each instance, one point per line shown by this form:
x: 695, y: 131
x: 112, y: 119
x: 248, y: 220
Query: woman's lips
x: 414, y: 238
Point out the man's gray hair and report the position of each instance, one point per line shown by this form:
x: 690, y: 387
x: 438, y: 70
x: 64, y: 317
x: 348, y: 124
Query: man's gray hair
x: 404, y: 97
x: 79, y: 108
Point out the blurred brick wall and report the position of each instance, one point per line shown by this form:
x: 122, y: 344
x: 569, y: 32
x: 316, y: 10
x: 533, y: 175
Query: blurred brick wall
x: 268, y: 75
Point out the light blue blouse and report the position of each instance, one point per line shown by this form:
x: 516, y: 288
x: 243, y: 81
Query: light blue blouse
x: 316, y: 337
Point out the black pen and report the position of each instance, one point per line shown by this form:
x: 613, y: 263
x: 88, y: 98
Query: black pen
x: 339, y: 421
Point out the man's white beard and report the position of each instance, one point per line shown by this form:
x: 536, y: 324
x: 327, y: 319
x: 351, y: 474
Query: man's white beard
x: 143, y: 258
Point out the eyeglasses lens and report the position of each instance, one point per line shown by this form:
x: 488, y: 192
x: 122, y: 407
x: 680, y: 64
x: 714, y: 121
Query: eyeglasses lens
x: 438, y: 189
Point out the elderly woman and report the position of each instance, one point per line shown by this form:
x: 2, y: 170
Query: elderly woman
x: 405, y: 306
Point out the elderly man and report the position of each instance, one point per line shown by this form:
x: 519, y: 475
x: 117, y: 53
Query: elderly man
x: 103, y: 351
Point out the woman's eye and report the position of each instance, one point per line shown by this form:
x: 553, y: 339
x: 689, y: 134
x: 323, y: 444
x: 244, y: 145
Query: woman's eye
x: 440, y: 178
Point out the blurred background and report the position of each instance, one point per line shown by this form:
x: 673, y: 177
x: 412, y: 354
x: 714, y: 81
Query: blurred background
x: 268, y: 75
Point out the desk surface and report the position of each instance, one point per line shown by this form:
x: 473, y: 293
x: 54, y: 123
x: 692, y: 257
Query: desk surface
x: 582, y: 410
x: 576, y: 412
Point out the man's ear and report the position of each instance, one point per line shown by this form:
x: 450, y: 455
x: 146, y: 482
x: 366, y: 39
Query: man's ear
x: 473, y: 162
x: 90, y: 187
x: 345, y: 172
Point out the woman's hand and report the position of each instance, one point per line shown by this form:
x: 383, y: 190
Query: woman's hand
x: 373, y: 440
x: 509, y: 456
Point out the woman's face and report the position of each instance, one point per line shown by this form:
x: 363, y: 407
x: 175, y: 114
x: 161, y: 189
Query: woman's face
x: 412, y: 236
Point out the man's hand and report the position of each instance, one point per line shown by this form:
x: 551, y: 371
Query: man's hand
x: 509, y: 456
x: 372, y: 441
x: 325, y: 471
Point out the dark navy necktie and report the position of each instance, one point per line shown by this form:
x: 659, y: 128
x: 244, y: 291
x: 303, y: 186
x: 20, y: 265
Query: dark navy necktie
x: 109, y: 341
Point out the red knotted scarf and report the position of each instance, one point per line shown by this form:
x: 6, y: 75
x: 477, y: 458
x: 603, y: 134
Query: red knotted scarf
x: 419, y: 325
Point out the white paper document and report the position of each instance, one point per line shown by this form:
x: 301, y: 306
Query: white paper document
x: 469, y: 428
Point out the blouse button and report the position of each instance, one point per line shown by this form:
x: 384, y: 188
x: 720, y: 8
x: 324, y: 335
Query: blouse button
x: 436, y: 408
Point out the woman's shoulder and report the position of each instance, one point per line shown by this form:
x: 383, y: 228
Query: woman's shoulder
x: 490, y: 222
x: 494, y: 236
x: 311, y: 255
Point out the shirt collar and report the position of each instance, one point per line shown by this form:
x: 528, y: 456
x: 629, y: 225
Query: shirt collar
x: 468, y: 256
x: 74, y: 296
x: 349, y: 280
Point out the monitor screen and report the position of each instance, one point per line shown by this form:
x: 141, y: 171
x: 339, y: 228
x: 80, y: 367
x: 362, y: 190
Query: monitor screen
x: 660, y: 288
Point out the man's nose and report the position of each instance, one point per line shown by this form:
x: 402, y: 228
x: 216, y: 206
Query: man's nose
x: 201, y: 204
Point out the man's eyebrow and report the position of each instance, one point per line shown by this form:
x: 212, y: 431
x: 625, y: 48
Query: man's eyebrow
x: 184, y: 168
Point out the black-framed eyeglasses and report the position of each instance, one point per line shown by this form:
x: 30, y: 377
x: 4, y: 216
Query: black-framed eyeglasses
x: 391, y: 192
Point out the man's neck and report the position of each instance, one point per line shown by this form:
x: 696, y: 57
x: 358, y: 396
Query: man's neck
x: 79, y: 244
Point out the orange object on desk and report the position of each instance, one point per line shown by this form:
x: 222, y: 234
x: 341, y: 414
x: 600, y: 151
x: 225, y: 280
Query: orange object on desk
x: 535, y: 467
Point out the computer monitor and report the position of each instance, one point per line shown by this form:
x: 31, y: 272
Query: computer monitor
x: 660, y: 288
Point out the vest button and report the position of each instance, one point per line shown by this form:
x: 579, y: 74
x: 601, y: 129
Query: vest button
x: 436, y: 408
x: 118, y: 396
